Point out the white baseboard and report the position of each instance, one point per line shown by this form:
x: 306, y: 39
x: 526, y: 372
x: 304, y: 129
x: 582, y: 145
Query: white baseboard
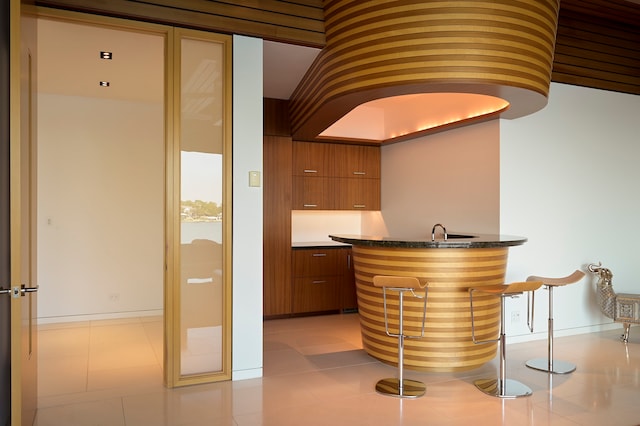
x: 254, y: 373
x: 562, y: 333
x: 97, y: 317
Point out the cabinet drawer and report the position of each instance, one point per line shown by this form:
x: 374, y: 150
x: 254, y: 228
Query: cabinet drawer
x: 317, y: 262
x: 315, y: 294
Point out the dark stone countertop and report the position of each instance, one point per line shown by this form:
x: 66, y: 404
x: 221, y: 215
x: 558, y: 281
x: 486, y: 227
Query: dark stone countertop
x: 468, y: 240
x: 318, y: 244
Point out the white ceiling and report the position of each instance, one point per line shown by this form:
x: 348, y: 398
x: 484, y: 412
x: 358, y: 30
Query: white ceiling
x: 284, y: 66
x: 68, y: 62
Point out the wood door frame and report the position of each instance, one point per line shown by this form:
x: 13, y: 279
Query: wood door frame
x: 172, y: 185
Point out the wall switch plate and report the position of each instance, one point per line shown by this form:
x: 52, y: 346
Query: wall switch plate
x: 254, y: 178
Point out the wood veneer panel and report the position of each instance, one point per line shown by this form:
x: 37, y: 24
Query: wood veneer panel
x: 276, y: 117
x: 277, y: 225
x: 447, y: 345
x: 299, y: 22
x: 598, y: 45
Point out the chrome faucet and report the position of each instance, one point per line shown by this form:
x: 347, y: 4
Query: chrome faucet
x: 433, y: 231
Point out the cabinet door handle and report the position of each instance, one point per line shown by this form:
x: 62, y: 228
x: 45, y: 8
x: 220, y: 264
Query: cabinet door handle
x: 318, y: 281
x: 310, y: 205
x: 319, y: 254
x: 359, y: 206
x: 360, y: 173
x: 310, y: 171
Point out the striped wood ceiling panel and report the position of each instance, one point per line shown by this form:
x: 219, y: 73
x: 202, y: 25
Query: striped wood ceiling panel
x: 598, y: 41
x: 376, y: 49
x: 294, y: 21
x: 598, y: 45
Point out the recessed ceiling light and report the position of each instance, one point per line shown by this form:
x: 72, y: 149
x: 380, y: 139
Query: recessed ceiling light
x: 104, y: 83
x: 106, y: 55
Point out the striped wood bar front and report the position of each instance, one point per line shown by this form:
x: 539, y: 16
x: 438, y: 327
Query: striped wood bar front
x: 447, y: 345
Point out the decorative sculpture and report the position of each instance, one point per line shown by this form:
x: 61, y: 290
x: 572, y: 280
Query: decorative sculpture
x: 623, y: 308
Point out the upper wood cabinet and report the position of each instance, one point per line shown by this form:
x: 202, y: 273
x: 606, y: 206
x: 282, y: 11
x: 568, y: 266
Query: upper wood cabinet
x: 313, y: 193
x: 335, y: 176
x: 312, y: 159
x: 356, y: 161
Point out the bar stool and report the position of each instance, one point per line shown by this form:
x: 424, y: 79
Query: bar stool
x: 401, y: 387
x: 503, y: 387
x: 549, y: 364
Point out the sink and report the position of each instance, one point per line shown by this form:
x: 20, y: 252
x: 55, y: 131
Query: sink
x: 455, y: 236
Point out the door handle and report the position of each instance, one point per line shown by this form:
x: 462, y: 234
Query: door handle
x: 16, y: 291
x: 24, y: 289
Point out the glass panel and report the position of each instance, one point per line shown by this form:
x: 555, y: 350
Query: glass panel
x: 201, y: 174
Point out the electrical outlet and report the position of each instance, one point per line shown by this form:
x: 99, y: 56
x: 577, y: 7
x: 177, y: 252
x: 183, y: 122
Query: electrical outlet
x: 515, y: 317
x: 114, y: 297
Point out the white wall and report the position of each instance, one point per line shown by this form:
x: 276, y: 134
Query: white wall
x: 100, y: 208
x: 247, y: 208
x: 569, y: 177
x: 450, y: 177
x: 564, y: 177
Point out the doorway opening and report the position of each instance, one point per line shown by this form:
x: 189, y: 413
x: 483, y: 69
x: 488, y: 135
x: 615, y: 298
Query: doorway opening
x: 101, y: 150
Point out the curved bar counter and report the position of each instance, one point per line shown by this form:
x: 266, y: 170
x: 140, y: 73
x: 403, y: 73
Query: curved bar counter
x: 449, y: 267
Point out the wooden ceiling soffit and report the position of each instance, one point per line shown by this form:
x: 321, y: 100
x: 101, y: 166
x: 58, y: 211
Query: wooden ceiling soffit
x: 381, y: 49
x: 297, y: 22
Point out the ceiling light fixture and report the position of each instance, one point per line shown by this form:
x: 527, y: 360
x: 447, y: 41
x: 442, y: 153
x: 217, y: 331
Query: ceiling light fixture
x: 106, y: 55
x: 104, y: 84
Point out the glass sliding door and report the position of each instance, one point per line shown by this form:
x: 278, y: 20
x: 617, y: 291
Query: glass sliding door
x: 200, y: 211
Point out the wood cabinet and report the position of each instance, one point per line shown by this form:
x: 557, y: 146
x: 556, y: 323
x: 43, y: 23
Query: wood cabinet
x: 356, y: 161
x: 335, y: 176
x: 312, y: 193
x: 323, y: 280
x: 299, y: 174
x: 356, y: 194
x: 312, y: 159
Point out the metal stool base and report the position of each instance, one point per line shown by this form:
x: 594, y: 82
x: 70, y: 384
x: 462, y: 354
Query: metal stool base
x: 410, y: 388
x: 509, y: 389
x: 557, y: 367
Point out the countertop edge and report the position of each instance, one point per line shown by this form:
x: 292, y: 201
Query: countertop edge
x: 318, y: 244
x: 479, y: 241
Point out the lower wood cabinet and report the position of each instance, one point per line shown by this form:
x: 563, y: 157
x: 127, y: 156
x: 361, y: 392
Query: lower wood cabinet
x: 323, y: 280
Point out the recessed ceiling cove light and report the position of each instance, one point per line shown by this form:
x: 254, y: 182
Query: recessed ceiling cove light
x: 104, y: 84
x: 106, y: 55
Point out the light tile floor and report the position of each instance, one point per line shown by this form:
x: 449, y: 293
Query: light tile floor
x: 315, y: 373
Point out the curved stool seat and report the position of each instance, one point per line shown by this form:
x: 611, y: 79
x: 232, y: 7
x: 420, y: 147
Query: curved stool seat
x: 401, y: 387
x: 549, y: 364
x: 502, y: 387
